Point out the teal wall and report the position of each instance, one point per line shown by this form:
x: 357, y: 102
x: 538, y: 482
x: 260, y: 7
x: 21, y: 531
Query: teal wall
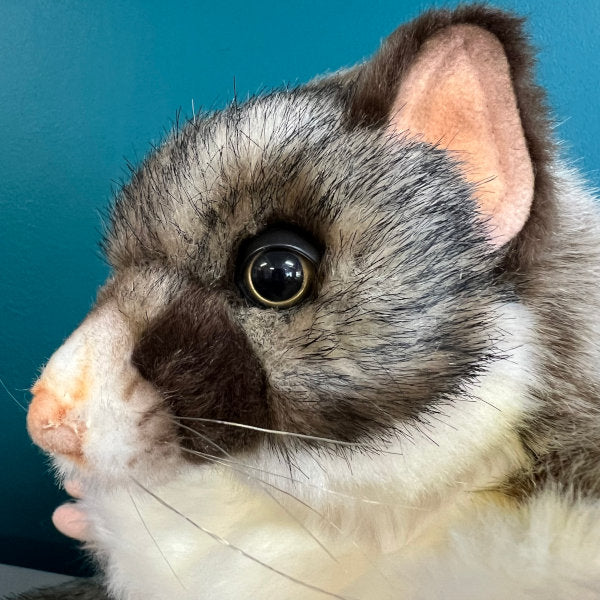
x: 85, y: 84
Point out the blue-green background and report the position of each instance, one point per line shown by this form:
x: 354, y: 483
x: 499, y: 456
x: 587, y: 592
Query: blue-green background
x: 84, y: 85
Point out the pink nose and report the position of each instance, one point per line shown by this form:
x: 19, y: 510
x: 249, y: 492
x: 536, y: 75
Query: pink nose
x: 51, y: 427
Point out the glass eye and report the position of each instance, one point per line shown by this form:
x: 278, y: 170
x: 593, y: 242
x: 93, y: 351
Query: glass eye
x: 278, y: 278
x: 279, y: 269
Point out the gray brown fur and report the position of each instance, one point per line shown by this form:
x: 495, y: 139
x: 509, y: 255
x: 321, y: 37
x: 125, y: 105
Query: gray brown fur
x: 552, y: 265
x: 319, y: 177
x: 407, y: 288
x: 337, y: 176
x: 375, y: 206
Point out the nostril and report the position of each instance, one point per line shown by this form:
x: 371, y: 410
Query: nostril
x: 51, y: 428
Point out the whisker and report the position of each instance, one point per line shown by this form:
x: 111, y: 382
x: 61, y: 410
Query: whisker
x: 284, y: 508
x: 224, y: 542
x: 334, y: 526
x: 12, y: 395
x: 137, y: 510
x: 312, y: 509
x: 304, y: 483
x: 317, y: 541
x: 303, y: 436
x: 227, y: 463
x: 205, y: 438
x: 295, y: 518
x: 331, y: 524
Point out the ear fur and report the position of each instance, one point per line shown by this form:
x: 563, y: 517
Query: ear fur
x: 378, y: 84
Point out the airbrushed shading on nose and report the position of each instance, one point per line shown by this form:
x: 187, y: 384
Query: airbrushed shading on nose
x: 51, y: 425
x: 54, y: 419
x: 75, y: 377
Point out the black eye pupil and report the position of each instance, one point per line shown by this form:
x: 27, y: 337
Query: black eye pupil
x: 277, y: 275
x: 277, y: 268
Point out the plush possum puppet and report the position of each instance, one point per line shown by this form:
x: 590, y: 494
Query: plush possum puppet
x: 349, y: 347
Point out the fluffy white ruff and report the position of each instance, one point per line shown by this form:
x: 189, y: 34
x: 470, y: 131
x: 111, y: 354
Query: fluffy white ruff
x: 549, y: 548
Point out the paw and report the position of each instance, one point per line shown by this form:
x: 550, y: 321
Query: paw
x: 69, y: 518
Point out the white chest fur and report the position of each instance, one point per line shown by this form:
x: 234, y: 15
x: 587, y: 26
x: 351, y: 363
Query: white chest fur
x: 252, y: 548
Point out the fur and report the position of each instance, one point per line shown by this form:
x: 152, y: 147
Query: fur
x: 77, y: 590
x: 424, y: 425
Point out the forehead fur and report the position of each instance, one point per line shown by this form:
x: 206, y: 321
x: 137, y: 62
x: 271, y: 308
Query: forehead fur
x: 287, y: 157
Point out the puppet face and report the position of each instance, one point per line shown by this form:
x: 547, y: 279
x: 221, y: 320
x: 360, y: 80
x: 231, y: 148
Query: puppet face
x: 389, y: 335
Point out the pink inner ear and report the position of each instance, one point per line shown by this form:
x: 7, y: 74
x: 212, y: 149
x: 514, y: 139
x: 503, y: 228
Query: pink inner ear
x: 458, y: 93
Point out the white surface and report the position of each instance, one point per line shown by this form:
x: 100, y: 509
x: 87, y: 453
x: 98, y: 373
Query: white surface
x: 16, y: 579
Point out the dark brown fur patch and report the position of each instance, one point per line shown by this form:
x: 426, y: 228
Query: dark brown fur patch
x: 203, y: 365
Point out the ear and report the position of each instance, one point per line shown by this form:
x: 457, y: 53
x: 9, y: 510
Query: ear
x: 461, y: 81
x: 458, y: 93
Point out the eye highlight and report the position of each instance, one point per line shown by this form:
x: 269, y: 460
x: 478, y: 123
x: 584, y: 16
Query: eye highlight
x: 276, y: 269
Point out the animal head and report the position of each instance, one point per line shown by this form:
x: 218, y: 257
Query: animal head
x: 319, y: 278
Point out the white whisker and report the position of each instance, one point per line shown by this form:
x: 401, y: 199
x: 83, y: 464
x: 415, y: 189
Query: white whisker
x: 309, y: 507
x: 137, y: 510
x: 12, y: 395
x: 303, y: 436
x: 205, y: 438
x: 216, y: 460
x: 304, y: 483
x: 224, y: 542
